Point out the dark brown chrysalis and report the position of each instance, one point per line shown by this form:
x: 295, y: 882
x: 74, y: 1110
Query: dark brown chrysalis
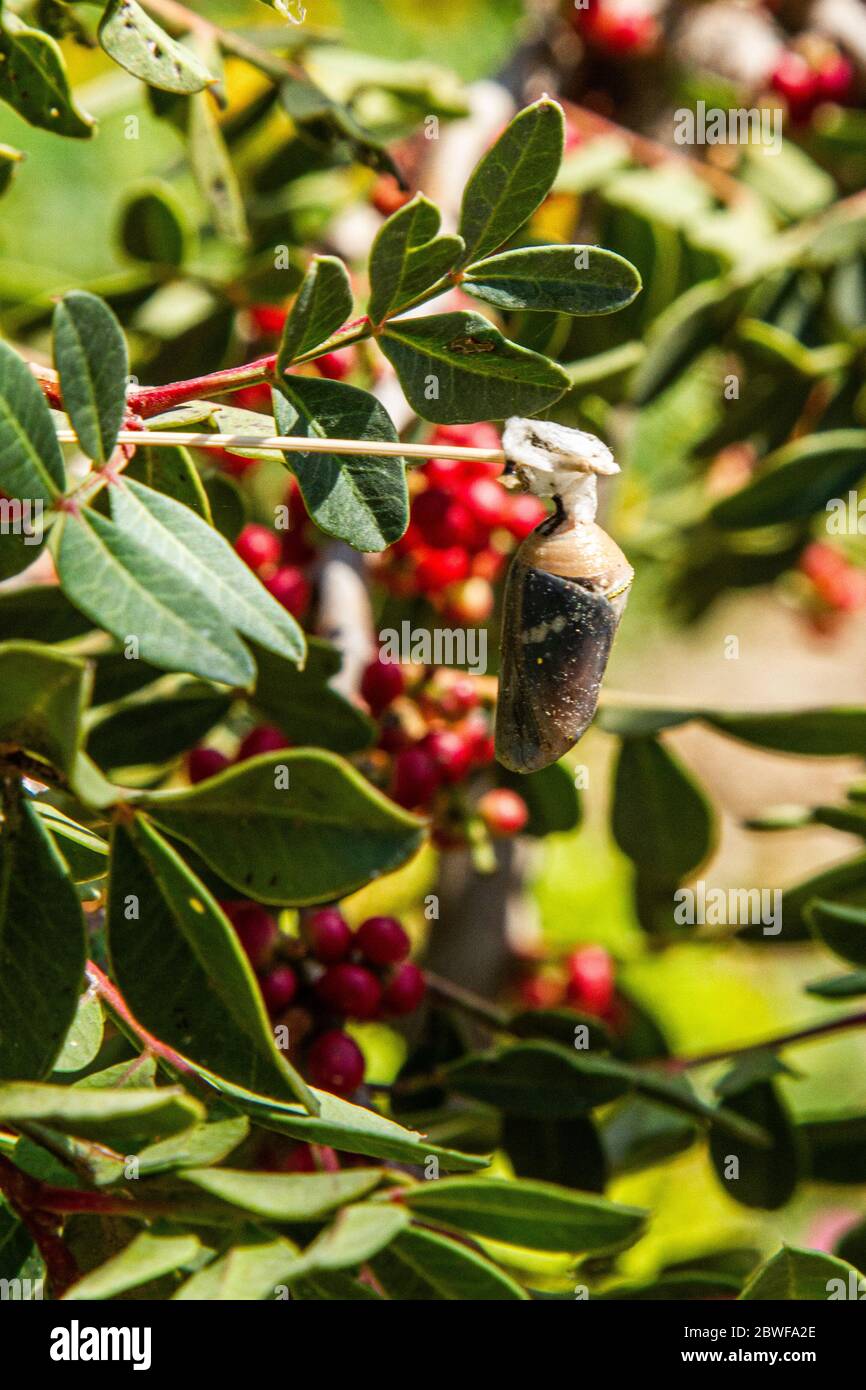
x: 566, y: 591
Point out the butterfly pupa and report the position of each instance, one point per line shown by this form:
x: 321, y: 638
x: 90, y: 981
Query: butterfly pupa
x: 564, y: 597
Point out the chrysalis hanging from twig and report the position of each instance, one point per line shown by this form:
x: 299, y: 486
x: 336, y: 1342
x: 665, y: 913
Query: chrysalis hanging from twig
x: 565, y: 594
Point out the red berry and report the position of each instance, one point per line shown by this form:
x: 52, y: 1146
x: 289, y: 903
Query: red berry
x: 488, y: 501
x: 328, y: 935
x: 279, y: 988
x: 797, y: 82
x: 381, y: 683
x: 254, y: 398
x: 336, y: 366
x: 404, y: 990
x: 477, y: 732
x: 446, y: 521
x: 383, y: 941
x: 265, y: 738
x: 503, y: 811
x: 523, y: 514
x: 335, y: 1063
x: 268, y: 318
x: 290, y: 588
x: 450, y: 751
x: 258, y: 547
x: 435, y: 569
x: 387, y: 195
x: 835, y: 79
x: 202, y: 763
x: 352, y: 990
x: 591, y: 979
x: 256, y: 929
x: 416, y: 778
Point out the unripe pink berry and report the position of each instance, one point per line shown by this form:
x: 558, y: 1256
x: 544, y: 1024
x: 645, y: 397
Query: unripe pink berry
x: 503, y: 811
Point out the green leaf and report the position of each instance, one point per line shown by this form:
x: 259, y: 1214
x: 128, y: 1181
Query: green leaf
x: 316, y: 839
x: 213, y: 170
x: 695, y: 321
x: 797, y: 480
x: 355, y: 1129
x: 150, y: 1255
x: 849, y: 986
x: 564, y: 279
x: 123, y: 1119
x: 538, y: 1080
x: 34, y: 81
x: 18, y: 549
x: 207, y: 563
x: 9, y: 160
x: 154, y: 227
x: 31, y: 464
x: 845, y: 882
x: 197, y: 1147
x: 182, y: 971
x: 559, y: 1151
x: 332, y: 1286
x: 42, y: 947
x: 285, y: 1197
x: 802, y: 1275
x: 154, y: 730
x: 39, y: 611
x: 250, y: 1271
x: 458, y: 368
x: 305, y: 706
x: 356, y: 1234
x: 841, y: 928
x: 168, y: 468
x: 540, y: 1216
x: 84, y: 1039
x: 133, y: 40
x: 85, y: 852
x: 814, y: 733
x: 408, y: 257
x: 420, y: 1265
x: 660, y: 818
x: 362, y: 499
x: 92, y: 363
x: 43, y: 694
x: 322, y: 305
x: 16, y: 1244
x: 128, y: 588
x: 836, y: 1149
x: 763, y: 1177
x: 640, y: 1133
x: 333, y: 128
x: 512, y: 179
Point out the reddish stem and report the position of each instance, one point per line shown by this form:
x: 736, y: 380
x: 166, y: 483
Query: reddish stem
x: 117, y: 1005
x: 25, y: 1196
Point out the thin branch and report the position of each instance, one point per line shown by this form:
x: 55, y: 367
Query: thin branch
x: 24, y: 1195
x: 801, y: 1035
x: 464, y: 999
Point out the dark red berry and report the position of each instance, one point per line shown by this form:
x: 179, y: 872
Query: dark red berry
x: 416, y: 778
x: 796, y: 80
x: 258, y: 547
x: 279, y: 988
x: 503, y: 811
x: 450, y: 751
x: 352, y: 990
x: 435, y: 569
x: 405, y: 990
x: 335, y: 1063
x: 265, y: 738
x: 328, y: 935
x: 381, y: 683
x: 202, y: 763
x: 336, y: 365
x: 268, y: 318
x: 290, y: 588
x: 383, y: 941
x: 256, y: 929
x: 523, y: 514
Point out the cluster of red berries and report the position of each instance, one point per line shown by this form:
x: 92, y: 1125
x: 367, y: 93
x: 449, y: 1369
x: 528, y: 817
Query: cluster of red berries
x: 837, y: 586
x: 279, y: 557
x: 463, y: 525
x: 434, y: 735
x: 313, y: 983
x: 810, y: 73
x: 204, y: 762
x: 584, y: 980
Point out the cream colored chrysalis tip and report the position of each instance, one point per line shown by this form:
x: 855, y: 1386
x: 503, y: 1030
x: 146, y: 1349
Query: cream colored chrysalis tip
x: 552, y: 460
